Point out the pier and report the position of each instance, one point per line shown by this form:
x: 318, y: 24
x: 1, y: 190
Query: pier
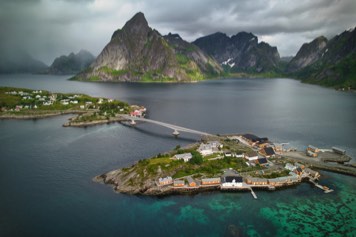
x: 253, y: 193
x: 324, y: 188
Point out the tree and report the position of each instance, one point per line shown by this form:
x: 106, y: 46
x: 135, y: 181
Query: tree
x: 197, y: 158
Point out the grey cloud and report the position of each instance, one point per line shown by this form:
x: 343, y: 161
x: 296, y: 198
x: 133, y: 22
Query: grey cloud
x: 49, y: 28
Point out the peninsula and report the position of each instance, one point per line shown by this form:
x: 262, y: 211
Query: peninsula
x: 227, y: 163
x: 18, y: 103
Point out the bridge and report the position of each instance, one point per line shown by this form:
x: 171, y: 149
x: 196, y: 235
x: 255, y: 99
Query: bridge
x: 176, y: 129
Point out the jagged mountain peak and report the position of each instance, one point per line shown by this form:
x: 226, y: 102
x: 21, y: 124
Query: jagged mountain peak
x: 245, y: 36
x: 137, y: 52
x: 241, y: 52
x: 137, y: 24
x: 170, y: 35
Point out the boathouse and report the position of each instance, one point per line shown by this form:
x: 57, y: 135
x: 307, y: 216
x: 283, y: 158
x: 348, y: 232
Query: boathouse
x: 165, y: 181
x: 178, y: 183
x: 191, y: 182
x: 256, y: 181
x: 211, y: 181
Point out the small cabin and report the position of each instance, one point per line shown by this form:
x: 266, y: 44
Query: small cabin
x: 256, y: 181
x: 191, y: 182
x: 178, y: 183
x: 210, y: 181
x: 165, y: 181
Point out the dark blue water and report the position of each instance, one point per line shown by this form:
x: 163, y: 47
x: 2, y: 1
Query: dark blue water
x: 46, y: 170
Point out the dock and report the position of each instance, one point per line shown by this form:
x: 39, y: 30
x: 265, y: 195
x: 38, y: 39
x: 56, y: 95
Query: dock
x: 253, y: 193
x: 324, y: 188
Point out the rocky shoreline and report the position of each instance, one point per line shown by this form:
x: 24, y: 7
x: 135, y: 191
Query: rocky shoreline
x: 39, y: 116
x: 151, y: 189
x: 70, y: 123
x: 93, y: 123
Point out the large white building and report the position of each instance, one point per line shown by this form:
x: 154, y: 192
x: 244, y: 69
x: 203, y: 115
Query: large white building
x: 209, y: 148
x: 232, y: 181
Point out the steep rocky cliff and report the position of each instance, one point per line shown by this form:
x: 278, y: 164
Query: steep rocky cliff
x: 241, y: 52
x: 138, y: 53
x: 330, y: 64
x: 308, y: 54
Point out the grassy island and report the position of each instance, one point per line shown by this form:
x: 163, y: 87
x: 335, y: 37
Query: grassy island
x: 19, y: 103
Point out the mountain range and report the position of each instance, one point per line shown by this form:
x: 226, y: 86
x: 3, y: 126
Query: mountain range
x: 138, y: 53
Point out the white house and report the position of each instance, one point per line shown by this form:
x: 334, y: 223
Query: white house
x: 185, y: 157
x: 239, y: 155
x: 251, y: 156
x: 232, y: 181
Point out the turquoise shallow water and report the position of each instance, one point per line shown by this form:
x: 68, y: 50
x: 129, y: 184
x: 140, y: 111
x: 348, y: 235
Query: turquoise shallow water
x: 46, y: 170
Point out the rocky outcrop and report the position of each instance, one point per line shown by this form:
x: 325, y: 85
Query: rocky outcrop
x: 139, y: 53
x: 241, y: 52
x: 124, y: 182
x: 71, y: 64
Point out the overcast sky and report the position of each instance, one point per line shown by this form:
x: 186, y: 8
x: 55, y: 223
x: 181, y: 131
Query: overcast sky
x: 49, y: 28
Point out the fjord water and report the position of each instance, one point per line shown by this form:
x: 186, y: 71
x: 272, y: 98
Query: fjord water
x: 46, y: 170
